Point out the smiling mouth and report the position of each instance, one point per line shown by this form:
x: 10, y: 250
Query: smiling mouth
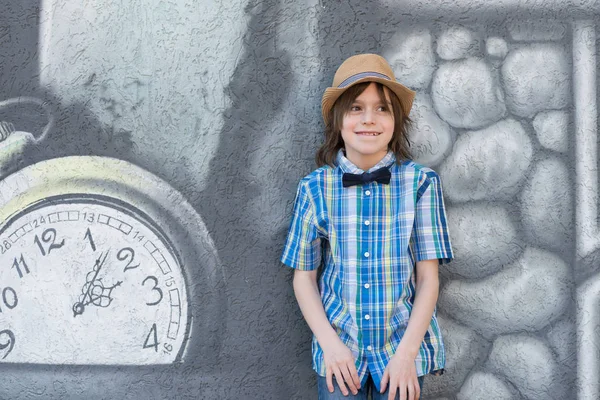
x: 368, y: 133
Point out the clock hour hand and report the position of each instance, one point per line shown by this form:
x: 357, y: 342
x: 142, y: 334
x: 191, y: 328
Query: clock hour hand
x: 93, y: 291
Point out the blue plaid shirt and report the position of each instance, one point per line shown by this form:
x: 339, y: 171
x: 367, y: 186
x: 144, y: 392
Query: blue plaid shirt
x: 369, y: 238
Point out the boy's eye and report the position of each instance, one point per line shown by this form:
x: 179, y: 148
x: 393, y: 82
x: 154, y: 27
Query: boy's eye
x: 354, y: 108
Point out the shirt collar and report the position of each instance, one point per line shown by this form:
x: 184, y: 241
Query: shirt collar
x: 347, y: 166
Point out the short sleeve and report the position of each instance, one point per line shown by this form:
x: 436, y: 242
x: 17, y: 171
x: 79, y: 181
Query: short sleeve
x: 303, y: 245
x: 431, y: 236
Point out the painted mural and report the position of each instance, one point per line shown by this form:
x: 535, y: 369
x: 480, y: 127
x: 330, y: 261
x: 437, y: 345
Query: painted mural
x: 149, y: 156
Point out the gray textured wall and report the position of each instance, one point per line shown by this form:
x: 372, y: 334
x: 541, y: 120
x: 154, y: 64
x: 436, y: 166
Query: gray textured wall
x: 221, y: 100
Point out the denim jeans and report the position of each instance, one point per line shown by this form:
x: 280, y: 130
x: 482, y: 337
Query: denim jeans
x: 363, y: 393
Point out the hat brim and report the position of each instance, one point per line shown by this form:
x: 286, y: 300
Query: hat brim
x: 405, y: 95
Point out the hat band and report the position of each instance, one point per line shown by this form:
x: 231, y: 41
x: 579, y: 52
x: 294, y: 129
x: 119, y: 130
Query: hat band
x: 361, y: 75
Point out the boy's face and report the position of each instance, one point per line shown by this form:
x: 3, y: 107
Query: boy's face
x: 368, y: 128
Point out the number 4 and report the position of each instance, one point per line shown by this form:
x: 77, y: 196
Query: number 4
x: 155, y: 336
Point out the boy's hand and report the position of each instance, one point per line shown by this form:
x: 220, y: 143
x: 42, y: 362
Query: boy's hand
x: 339, y: 362
x: 401, y: 374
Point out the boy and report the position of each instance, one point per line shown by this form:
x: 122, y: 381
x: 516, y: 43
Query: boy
x: 376, y: 221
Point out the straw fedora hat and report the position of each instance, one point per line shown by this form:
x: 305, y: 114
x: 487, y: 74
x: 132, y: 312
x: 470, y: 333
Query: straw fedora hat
x: 365, y: 68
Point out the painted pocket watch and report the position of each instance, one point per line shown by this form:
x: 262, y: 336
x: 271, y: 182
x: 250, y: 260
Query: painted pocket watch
x: 96, y: 259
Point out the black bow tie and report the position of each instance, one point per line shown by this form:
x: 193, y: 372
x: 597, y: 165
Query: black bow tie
x: 381, y: 175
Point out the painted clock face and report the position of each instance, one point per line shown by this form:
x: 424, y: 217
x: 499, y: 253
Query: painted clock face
x: 88, y: 279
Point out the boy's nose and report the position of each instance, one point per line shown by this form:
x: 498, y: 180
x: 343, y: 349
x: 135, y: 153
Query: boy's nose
x: 367, y: 117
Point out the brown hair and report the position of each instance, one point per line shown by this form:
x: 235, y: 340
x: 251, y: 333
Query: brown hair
x: 399, y: 144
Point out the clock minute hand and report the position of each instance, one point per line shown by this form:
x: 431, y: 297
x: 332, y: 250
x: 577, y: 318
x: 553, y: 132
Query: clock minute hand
x: 99, y: 265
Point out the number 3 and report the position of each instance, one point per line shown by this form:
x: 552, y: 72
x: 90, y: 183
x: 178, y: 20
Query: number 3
x: 160, y: 293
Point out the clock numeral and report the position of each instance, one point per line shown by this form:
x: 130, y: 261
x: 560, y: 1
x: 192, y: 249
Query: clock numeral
x: 152, y: 333
x: 9, y: 337
x: 168, y: 348
x: 170, y: 281
x: 5, y: 246
x: 48, y: 236
x: 89, y: 217
x: 88, y: 235
x: 14, y: 300
x: 127, y: 254
x: 137, y: 236
x: 155, y: 288
x: 17, y: 265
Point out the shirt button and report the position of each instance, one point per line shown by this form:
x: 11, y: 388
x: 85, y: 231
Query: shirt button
x: 367, y: 286
x: 367, y: 192
x: 367, y: 317
x: 367, y: 254
x: 367, y: 222
x: 369, y: 348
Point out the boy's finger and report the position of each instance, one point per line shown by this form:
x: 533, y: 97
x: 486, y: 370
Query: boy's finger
x: 393, y: 390
x: 384, y: 381
x: 403, y: 390
x: 348, y: 379
x: 329, y: 380
x: 354, y: 375
x: 340, y: 381
x: 411, y: 391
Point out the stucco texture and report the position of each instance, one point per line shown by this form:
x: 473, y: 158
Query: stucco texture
x: 220, y: 102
